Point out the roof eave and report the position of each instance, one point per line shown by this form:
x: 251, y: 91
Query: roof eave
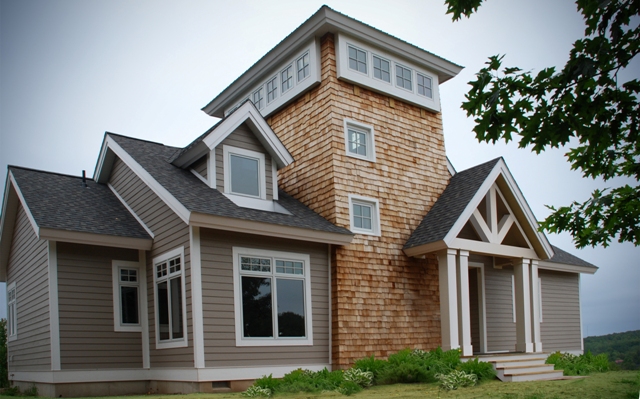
x: 79, y: 237
x: 564, y: 267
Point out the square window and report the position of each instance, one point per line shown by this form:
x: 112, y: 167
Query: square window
x: 286, y: 77
x: 365, y: 215
x: 244, y: 172
x: 424, y: 86
x: 127, y: 295
x: 258, y: 98
x: 381, y: 69
x: 357, y: 59
x: 272, y: 89
x: 302, y: 65
x: 273, y: 305
x: 359, y: 140
x: 403, y: 77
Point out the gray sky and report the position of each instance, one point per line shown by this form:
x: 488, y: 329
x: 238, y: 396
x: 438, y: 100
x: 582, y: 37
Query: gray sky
x: 71, y: 70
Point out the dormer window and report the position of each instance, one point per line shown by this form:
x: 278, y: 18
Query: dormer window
x: 244, y: 172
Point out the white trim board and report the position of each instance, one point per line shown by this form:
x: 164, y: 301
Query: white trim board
x: 54, y: 313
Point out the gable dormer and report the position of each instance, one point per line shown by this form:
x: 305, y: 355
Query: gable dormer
x: 240, y: 157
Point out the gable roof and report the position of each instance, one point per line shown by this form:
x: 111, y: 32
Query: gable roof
x: 564, y: 261
x: 198, y: 204
x: 327, y: 20
x: 466, y: 189
x: 246, y: 113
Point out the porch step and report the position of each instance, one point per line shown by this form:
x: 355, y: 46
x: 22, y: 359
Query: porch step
x: 522, y: 366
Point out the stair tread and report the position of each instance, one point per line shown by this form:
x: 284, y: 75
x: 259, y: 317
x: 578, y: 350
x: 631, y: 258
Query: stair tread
x: 534, y: 372
x: 526, y: 367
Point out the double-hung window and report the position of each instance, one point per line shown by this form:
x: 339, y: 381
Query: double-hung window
x: 272, y: 298
x: 171, y: 319
x: 286, y: 77
x: 381, y: 69
x: 12, y: 313
x: 244, y: 172
x: 258, y: 98
x: 365, y: 215
x: 424, y: 86
x: 358, y: 59
x: 302, y: 65
x: 126, y: 296
x: 403, y: 77
x: 272, y: 89
x: 359, y: 140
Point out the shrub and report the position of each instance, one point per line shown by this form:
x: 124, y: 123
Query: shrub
x: 579, y: 365
x: 269, y: 383
x: 349, y: 387
x: 362, y: 378
x: 482, y: 370
x: 456, y: 379
x: 370, y: 364
x: 255, y: 391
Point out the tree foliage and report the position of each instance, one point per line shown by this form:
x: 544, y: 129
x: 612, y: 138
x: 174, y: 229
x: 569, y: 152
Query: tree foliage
x: 583, y: 106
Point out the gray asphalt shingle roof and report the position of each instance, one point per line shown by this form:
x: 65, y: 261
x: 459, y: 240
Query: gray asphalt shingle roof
x: 196, y: 196
x: 448, y: 208
x: 566, y: 258
x: 61, y: 202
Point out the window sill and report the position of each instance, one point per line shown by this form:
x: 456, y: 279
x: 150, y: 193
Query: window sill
x: 274, y: 342
x: 182, y: 343
x: 257, y: 204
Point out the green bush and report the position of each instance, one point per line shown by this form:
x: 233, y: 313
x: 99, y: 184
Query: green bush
x: 362, y: 378
x: 269, y: 383
x: 456, y: 379
x: 4, y: 370
x: 579, y: 365
x: 482, y: 370
x: 349, y: 387
x: 370, y: 364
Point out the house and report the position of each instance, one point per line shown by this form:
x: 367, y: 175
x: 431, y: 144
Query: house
x: 317, y: 222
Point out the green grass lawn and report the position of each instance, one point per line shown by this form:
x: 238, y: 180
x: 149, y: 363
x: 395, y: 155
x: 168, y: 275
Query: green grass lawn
x: 610, y: 385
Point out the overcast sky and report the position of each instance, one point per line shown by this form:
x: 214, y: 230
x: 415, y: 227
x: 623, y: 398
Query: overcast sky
x: 71, y: 70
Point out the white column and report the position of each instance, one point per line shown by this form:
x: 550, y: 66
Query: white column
x: 54, y: 315
x: 535, y: 306
x: 464, y: 314
x: 196, y: 297
x: 144, y: 310
x: 523, y: 306
x: 448, y: 299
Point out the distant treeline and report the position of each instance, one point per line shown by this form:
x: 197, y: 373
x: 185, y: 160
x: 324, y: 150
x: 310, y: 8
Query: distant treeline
x: 623, y: 349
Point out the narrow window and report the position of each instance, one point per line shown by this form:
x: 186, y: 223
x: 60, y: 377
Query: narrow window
x: 286, y: 77
x: 381, y: 69
x: 302, y: 66
x: 169, y: 290
x: 12, y: 313
x: 129, y: 288
x: 424, y: 86
x: 365, y: 215
x: 403, y: 77
x: 272, y: 89
x: 357, y: 59
x: 258, y: 98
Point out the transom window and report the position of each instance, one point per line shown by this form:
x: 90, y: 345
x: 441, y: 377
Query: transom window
x: 365, y: 215
x: 381, y: 69
x: 244, y: 172
x: 302, y: 65
x: 126, y: 296
x: 272, y: 89
x: 359, y: 140
x: 403, y: 77
x: 273, y: 303
x: 357, y: 59
x: 12, y: 312
x: 286, y: 77
x: 424, y: 86
x: 169, y: 294
x: 258, y: 98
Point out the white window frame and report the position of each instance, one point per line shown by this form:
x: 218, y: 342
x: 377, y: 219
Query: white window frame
x: 227, y: 151
x: 375, y: 214
x: 118, y: 265
x: 369, y: 131
x: 289, y: 71
x: 274, y: 91
x: 366, y: 59
x: 373, y: 68
x: 171, y: 343
x: 395, y: 75
x: 306, y: 68
x: 418, y: 76
x: 12, y: 310
x: 259, y: 91
x: 237, y: 289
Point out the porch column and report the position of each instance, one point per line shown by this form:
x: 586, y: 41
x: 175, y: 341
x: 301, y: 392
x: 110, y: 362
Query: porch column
x: 523, y: 306
x: 464, y: 316
x: 448, y: 299
x: 535, y: 306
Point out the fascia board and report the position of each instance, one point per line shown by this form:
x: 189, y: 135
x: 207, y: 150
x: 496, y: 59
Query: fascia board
x: 192, y: 155
x: 266, y: 136
x: 95, y: 239
x: 32, y: 220
x: 267, y: 229
x: 152, y: 183
x: 563, y: 267
x: 104, y: 163
x: 323, y: 21
x: 425, y: 248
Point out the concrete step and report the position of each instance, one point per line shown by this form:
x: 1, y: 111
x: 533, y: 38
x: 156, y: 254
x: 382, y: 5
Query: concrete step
x: 507, y: 357
x: 537, y: 376
x: 526, y: 369
x: 519, y: 363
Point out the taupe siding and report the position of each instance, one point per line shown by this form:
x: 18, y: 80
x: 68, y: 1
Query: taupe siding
x: 243, y: 138
x: 28, y: 268
x: 200, y: 166
x: 501, y: 330
x: 170, y: 233
x: 473, y: 309
x: 560, y: 327
x: 219, y: 321
x: 85, y: 297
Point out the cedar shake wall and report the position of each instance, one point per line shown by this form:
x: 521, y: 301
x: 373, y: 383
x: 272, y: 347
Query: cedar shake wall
x: 28, y: 268
x: 85, y: 295
x: 383, y: 301
x: 170, y: 233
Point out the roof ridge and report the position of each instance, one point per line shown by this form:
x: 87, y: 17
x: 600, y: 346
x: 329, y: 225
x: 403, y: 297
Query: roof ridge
x: 47, y: 172
x: 139, y: 139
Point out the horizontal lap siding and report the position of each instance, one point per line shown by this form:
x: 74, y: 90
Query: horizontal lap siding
x: 560, y: 327
x: 218, y: 306
x: 243, y: 138
x: 85, y: 303
x: 170, y: 233
x: 501, y: 330
x: 28, y: 268
x: 200, y: 166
